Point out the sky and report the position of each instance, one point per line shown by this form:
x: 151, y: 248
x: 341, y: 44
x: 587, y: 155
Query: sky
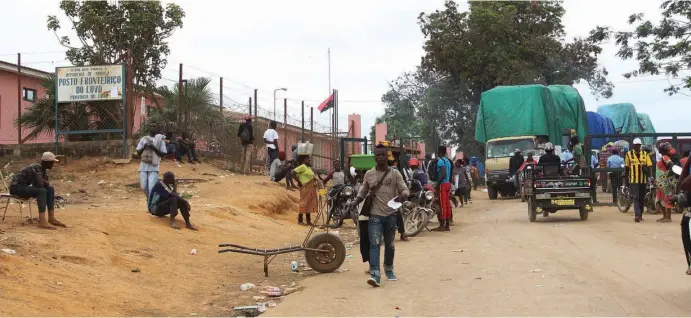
x: 271, y: 44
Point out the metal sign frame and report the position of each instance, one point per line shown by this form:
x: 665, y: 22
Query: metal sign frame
x: 122, y: 130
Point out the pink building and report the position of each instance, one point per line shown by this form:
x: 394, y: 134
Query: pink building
x: 32, y: 91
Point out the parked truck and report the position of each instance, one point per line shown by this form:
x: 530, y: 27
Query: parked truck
x: 524, y: 117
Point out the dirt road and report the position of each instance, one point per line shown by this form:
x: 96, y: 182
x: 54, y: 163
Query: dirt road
x: 496, y: 263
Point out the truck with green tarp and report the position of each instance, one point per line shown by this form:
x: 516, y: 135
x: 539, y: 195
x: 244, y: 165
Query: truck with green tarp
x: 524, y: 117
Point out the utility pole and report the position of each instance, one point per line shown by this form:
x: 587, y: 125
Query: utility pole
x: 20, y: 97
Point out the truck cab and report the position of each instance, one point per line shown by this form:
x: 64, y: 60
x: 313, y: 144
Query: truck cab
x: 498, y: 153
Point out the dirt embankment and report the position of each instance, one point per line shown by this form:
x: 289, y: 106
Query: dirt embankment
x: 115, y: 259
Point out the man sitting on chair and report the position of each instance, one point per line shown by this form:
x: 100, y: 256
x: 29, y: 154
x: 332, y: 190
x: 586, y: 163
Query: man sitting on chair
x: 32, y: 182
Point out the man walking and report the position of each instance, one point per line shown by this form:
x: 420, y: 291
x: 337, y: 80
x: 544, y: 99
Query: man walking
x: 271, y: 141
x: 638, y: 174
x: 246, y: 135
x: 444, y: 189
x: 385, y: 184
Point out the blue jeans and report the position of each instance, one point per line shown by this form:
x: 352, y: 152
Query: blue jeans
x: 147, y: 181
x: 381, y: 226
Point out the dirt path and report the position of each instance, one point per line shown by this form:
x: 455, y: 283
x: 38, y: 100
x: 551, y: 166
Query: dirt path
x: 559, y: 266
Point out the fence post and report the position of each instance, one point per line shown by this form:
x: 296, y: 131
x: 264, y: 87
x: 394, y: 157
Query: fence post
x: 19, y: 97
x: 180, y: 97
x: 249, y: 103
x: 254, y: 127
x: 303, y: 122
x: 220, y: 109
x: 312, y: 124
x: 285, y: 125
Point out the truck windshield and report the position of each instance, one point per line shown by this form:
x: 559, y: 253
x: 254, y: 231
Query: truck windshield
x: 506, y: 148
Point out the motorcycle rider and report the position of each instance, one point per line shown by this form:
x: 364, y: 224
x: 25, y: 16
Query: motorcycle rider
x: 638, y: 173
x: 550, y: 160
x: 418, y: 174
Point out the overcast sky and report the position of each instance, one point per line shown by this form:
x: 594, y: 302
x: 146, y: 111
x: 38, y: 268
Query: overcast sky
x: 268, y: 44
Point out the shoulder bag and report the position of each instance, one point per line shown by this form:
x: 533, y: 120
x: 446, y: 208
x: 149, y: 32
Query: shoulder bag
x: 369, y: 199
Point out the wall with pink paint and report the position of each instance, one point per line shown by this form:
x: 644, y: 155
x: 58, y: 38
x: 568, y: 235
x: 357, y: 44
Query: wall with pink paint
x: 8, y: 107
x: 380, y: 131
x: 355, y: 132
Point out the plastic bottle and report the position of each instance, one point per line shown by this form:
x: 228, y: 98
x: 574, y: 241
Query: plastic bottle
x: 294, y: 266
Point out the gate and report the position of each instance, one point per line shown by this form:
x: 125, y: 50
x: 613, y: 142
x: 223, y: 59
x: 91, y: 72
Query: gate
x: 90, y: 105
x: 608, y: 179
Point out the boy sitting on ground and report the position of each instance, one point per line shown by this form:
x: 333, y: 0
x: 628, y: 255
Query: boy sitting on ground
x: 164, y: 200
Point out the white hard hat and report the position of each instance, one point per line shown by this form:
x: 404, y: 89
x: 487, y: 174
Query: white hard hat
x: 637, y: 141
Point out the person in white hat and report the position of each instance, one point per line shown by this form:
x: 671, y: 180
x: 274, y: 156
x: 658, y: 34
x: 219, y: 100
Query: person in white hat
x: 32, y: 182
x: 638, y: 173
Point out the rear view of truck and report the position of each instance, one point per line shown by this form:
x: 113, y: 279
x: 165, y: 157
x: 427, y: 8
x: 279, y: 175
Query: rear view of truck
x: 523, y: 117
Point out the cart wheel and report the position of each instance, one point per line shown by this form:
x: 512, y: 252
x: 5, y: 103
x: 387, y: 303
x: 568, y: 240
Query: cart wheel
x: 333, y: 256
x: 584, y: 213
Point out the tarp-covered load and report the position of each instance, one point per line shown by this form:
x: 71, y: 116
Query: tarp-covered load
x: 623, y: 116
x: 646, y: 127
x: 530, y: 110
x: 598, y: 124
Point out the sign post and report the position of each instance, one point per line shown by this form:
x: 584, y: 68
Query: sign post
x: 93, y: 83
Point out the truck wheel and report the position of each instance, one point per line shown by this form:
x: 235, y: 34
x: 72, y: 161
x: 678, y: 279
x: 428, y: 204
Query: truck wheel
x: 532, y: 212
x: 333, y: 256
x: 545, y: 213
x: 584, y: 213
x: 492, y: 192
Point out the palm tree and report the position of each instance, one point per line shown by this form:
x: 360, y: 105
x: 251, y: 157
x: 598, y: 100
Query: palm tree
x: 40, y: 117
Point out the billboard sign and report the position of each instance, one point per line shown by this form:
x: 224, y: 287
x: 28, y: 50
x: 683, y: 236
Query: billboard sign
x: 90, y: 83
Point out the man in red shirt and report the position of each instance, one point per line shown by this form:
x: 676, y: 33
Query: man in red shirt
x: 529, y: 161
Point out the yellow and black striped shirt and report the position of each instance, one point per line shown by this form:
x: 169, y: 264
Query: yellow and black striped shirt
x: 637, y: 164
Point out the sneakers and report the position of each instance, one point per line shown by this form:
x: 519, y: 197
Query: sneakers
x: 391, y: 276
x: 374, y: 281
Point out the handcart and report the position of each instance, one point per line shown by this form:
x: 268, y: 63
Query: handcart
x: 325, y: 252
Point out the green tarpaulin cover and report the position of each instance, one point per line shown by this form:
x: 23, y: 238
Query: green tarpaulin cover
x: 646, y: 127
x: 530, y: 110
x: 623, y: 116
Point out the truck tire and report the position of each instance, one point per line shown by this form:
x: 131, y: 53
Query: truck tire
x: 583, y: 213
x: 492, y: 192
x: 532, y: 211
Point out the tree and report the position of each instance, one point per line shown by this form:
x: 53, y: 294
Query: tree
x: 662, y: 48
x: 107, y: 30
x: 508, y: 43
x: 495, y: 43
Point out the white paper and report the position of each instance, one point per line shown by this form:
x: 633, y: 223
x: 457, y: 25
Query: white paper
x: 114, y: 92
x: 394, y: 205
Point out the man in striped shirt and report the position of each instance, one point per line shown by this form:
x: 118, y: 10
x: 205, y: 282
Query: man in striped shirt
x: 638, y: 174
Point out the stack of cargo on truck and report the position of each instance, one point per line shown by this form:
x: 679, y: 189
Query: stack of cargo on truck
x: 524, y: 117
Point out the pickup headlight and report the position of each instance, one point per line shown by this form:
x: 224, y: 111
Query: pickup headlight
x: 429, y: 195
x: 348, y: 191
x: 583, y: 194
x: 543, y: 196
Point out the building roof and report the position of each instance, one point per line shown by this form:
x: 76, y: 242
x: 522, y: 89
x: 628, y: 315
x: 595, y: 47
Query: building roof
x: 27, y: 71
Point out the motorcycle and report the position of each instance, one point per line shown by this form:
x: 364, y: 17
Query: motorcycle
x: 338, y: 200
x: 416, y: 211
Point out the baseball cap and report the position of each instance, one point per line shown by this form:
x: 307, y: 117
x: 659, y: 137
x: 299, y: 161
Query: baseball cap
x: 637, y: 141
x: 49, y: 156
x: 518, y: 150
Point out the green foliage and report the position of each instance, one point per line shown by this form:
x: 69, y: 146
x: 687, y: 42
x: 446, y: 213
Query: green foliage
x: 662, y: 48
x: 106, y: 30
x: 494, y: 43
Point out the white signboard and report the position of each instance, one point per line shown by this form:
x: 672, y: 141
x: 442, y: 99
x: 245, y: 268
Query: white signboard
x: 90, y: 83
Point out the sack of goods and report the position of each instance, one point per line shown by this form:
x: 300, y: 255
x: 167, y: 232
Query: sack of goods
x: 305, y: 149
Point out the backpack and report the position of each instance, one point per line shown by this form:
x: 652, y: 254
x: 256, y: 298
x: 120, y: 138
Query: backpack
x: 432, y: 170
x: 245, y: 134
x: 148, y: 154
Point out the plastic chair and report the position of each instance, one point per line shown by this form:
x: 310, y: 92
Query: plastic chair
x: 6, y: 195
